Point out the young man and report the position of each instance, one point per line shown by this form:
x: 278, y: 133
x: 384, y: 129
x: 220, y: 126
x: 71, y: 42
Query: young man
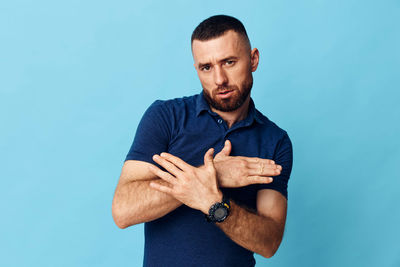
x: 201, y: 210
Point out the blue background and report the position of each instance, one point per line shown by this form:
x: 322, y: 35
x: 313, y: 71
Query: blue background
x: 76, y: 77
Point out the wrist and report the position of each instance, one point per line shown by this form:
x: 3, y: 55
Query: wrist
x: 211, y: 200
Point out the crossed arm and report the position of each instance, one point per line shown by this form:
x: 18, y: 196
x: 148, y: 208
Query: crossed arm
x: 145, y: 193
x: 260, y: 231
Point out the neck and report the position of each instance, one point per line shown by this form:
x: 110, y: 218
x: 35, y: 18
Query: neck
x: 237, y: 115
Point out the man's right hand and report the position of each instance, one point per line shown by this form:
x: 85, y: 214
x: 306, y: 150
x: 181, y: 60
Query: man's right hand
x: 238, y: 171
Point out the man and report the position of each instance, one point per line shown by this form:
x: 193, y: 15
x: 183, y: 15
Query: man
x: 201, y: 210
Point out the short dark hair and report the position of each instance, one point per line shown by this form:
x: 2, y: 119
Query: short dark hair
x: 216, y: 26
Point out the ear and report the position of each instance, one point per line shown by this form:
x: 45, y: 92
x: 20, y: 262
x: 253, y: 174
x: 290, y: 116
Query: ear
x: 254, y: 58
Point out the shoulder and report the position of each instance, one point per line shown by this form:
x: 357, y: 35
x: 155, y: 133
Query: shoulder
x: 279, y: 138
x: 271, y: 127
x: 174, y: 111
x: 175, y: 104
x: 171, y: 113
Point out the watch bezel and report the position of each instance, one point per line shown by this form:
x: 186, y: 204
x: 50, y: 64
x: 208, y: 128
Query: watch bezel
x: 225, y: 205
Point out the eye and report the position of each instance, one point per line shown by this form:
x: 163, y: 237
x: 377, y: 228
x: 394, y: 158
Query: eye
x: 205, y: 68
x: 229, y: 62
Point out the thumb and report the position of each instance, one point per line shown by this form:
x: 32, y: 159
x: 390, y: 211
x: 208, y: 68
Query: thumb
x: 208, y: 158
x: 227, y: 148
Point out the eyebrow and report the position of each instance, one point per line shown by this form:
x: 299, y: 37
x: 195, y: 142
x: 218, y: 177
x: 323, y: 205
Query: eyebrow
x: 200, y: 65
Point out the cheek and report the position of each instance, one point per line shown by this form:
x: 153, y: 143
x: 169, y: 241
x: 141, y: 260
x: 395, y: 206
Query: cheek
x: 206, y: 80
x: 242, y: 73
x: 236, y: 77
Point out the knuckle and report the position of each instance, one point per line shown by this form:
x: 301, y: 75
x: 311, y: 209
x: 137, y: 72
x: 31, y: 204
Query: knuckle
x: 242, y: 163
x: 243, y: 173
x: 190, y: 172
x: 181, y: 177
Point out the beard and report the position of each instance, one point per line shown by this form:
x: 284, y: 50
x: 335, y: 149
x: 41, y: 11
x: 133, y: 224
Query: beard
x: 230, y: 104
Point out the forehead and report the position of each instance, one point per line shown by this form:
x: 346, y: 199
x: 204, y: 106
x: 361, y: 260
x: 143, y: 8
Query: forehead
x: 228, y: 45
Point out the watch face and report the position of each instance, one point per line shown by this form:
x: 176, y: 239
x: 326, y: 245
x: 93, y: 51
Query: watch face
x: 220, y: 213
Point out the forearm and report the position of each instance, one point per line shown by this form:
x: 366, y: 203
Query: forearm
x: 254, y: 232
x: 135, y: 202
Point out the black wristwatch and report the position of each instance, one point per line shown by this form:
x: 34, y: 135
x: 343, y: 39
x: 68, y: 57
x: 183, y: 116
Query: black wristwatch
x: 219, y: 211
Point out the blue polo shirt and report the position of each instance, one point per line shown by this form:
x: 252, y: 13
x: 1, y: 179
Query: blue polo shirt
x: 186, y: 127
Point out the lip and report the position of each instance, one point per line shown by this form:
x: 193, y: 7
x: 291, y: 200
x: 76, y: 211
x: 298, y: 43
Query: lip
x: 225, y: 94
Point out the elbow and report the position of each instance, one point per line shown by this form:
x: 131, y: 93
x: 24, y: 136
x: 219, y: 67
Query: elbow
x: 270, y: 249
x: 272, y: 243
x: 125, y: 217
x: 268, y: 253
x: 120, y: 218
x: 120, y: 223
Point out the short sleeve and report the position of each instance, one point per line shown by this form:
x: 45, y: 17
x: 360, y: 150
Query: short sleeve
x: 152, y: 135
x: 283, y: 156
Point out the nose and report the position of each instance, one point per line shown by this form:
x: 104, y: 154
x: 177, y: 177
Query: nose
x: 220, y: 77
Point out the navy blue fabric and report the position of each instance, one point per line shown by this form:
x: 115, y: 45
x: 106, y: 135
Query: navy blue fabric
x: 187, y: 128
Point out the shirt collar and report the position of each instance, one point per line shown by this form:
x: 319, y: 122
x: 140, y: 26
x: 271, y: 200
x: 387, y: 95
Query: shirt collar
x: 201, y: 104
x: 254, y: 114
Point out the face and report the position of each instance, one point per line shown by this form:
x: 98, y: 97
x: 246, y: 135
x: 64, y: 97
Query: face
x: 224, y: 66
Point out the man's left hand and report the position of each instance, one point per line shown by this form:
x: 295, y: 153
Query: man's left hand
x: 195, y: 187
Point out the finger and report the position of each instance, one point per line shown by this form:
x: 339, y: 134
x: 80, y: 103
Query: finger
x: 208, y: 158
x: 264, y: 166
x: 263, y: 170
x: 163, y: 175
x: 161, y: 188
x: 260, y: 179
x: 227, y: 148
x: 258, y: 160
x: 176, y: 161
x: 167, y: 165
